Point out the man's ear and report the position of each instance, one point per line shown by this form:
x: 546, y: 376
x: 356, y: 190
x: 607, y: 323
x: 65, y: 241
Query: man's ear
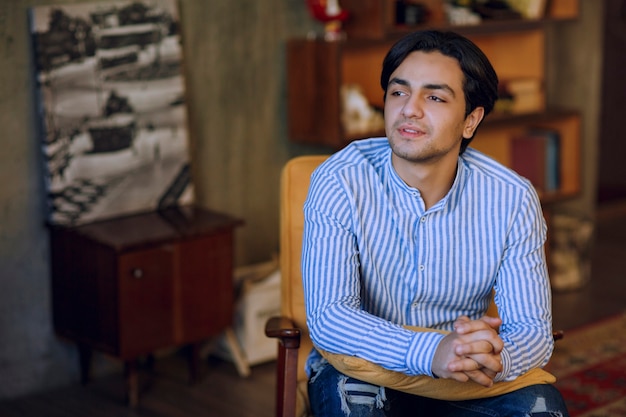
x: 472, y: 121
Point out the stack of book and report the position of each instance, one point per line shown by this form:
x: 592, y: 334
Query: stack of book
x: 527, y: 94
x: 535, y: 154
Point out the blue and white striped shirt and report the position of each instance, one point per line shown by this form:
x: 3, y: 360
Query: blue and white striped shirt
x: 374, y: 259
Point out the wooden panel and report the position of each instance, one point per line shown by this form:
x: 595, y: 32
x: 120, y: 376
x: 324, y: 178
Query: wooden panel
x: 515, y: 54
x: 367, y: 18
x: 437, y: 11
x: 146, y: 301
x: 84, y: 290
x: 495, y: 143
x: 128, y: 232
x: 362, y: 67
x: 375, y: 19
x: 563, y: 9
x: 102, y: 271
x: 205, y: 294
x: 313, y: 91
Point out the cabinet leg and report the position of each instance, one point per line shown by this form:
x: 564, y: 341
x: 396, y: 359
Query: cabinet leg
x: 131, y: 372
x: 237, y: 354
x: 150, y: 360
x: 193, y: 356
x: 84, y: 357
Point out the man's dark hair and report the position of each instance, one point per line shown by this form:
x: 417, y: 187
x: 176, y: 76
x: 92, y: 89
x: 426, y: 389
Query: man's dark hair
x: 480, y: 85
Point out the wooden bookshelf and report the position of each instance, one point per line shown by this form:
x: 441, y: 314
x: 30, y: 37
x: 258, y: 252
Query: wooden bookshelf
x: 317, y: 69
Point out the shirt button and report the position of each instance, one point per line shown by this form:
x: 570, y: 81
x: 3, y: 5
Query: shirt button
x: 423, y: 219
x: 422, y: 267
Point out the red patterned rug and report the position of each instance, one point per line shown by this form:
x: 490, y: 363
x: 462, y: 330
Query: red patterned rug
x: 590, y: 366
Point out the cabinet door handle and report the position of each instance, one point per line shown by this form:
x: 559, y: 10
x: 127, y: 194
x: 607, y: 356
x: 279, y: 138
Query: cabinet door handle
x: 137, y: 273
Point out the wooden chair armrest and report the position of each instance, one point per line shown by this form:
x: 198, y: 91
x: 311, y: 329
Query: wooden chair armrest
x: 288, y: 335
x: 283, y: 329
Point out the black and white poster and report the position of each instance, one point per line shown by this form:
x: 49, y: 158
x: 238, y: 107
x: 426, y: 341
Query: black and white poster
x: 111, y: 99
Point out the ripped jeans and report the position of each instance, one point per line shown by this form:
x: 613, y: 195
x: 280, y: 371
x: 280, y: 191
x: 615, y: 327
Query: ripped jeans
x: 332, y: 394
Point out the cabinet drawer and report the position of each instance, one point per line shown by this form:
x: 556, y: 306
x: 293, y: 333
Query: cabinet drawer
x: 146, y: 300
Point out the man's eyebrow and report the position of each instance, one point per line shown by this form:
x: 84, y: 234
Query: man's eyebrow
x: 429, y: 86
x: 444, y: 87
x: 399, y: 81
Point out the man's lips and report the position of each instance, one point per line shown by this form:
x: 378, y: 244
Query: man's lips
x: 410, y: 130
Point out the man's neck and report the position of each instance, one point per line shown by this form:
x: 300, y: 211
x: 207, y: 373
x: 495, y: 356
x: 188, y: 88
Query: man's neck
x: 432, y: 179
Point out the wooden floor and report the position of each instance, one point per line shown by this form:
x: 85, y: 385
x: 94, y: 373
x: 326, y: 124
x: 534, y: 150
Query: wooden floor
x: 221, y: 392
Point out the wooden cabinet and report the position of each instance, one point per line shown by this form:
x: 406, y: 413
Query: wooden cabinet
x: 132, y: 285
x: 317, y: 70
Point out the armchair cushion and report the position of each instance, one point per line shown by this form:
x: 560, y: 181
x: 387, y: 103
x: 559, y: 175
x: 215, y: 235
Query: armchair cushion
x: 425, y: 386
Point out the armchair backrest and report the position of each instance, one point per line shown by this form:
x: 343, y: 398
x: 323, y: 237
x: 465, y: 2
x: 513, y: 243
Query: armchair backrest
x: 295, y: 179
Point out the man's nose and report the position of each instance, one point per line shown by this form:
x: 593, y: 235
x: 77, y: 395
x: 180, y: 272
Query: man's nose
x: 413, y: 108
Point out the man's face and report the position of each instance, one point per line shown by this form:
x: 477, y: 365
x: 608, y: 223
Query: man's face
x: 425, y: 108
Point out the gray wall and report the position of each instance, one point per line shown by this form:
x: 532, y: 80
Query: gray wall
x: 574, y: 81
x: 236, y: 82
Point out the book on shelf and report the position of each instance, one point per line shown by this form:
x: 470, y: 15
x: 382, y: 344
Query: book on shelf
x: 527, y: 95
x: 535, y: 155
x: 553, y: 157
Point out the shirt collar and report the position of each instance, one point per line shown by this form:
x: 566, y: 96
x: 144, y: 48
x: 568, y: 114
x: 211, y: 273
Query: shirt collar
x: 451, y: 199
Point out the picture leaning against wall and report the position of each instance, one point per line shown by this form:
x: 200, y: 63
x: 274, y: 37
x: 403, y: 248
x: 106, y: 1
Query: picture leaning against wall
x: 111, y: 102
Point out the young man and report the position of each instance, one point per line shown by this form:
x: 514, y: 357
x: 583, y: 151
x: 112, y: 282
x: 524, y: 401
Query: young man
x: 415, y: 229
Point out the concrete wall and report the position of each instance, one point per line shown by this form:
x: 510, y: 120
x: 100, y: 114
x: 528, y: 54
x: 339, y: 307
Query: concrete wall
x: 574, y: 81
x: 236, y: 82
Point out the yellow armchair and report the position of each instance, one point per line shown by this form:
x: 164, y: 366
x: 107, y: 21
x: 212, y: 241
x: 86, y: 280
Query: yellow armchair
x: 294, y: 343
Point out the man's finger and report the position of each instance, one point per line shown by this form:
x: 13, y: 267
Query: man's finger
x: 480, y: 377
x: 464, y: 365
x: 480, y: 346
x: 473, y: 371
x: 493, y: 322
x: 488, y: 361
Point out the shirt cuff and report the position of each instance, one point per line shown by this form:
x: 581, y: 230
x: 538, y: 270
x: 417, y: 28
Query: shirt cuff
x: 419, y: 359
x: 506, y: 366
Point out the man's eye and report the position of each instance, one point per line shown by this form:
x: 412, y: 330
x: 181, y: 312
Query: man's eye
x: 437, y: 99
x: 398, y: 93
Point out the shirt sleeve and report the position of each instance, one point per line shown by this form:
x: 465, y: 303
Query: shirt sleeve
x: 331, y: 282
x: 523, y: 293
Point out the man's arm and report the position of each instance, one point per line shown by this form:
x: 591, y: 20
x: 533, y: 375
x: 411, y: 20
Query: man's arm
x: 522, y: 293
x: 477, y: 350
